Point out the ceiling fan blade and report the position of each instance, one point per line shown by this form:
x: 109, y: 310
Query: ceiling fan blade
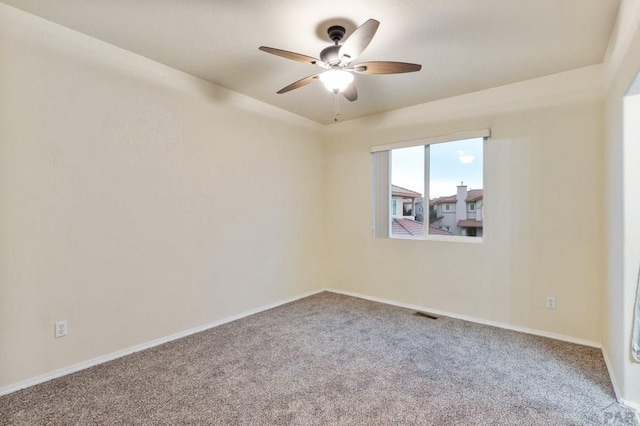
x: 386, y: 67
x: 350, y: 92
x: 298, y: 84
x: 291, y: 55
x: 358, y: 41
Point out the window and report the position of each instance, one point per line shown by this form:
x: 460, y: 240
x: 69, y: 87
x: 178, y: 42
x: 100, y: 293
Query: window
x: 395, y: 208
x: 446, y: 172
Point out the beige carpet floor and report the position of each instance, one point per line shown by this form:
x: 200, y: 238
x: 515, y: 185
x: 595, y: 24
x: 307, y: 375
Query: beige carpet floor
x: 334, y: 360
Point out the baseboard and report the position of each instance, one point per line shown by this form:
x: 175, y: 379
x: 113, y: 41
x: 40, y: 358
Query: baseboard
x: 541, y: 333
x: 616, y: 389
x: 118, y: 354
x: 632, y: 405
x: 614, y: 383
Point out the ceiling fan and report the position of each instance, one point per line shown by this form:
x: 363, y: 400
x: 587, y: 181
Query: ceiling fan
x: 337, y: 61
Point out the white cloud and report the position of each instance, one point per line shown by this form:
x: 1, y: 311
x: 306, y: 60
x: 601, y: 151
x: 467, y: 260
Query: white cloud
x: 466, y: 157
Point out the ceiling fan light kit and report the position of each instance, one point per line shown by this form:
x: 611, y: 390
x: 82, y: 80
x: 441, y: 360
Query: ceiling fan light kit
x: 336, y: 80
x: 337, y: 59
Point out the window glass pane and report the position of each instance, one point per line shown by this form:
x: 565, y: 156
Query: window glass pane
x: 455, y: 190
x: 407, y: 190
x: 455, y: 181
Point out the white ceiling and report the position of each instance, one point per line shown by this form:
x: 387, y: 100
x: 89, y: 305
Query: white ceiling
x: 463, y: 45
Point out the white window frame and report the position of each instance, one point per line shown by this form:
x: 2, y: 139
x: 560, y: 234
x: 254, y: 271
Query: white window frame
x: 381, y: 188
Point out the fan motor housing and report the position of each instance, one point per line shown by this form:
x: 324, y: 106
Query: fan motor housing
x: 329, y: 55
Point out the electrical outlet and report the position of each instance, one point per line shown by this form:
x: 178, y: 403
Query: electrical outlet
x: 314, y: 270
x: 61, y: 328
x: 551, y: 302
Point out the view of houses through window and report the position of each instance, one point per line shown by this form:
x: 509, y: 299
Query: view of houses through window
x: 453, y: 173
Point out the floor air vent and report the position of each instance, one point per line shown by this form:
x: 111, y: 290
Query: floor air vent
x: 426, y: 315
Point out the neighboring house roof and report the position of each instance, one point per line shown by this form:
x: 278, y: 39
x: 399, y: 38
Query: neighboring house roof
x: 414, y: 228
x: 437, y: 231
x: 406, y: 227
x: 398, y: 190
x: 472, y: 195
x: 449, y: 199
x: 470, y: 223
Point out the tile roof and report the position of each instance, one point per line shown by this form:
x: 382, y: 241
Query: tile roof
x: 472, y: 195
x: 449, y: 199
x: 437, y: 231
x: 398, y: 190
x: 414, y: 228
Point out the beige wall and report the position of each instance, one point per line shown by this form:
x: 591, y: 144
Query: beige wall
x: 542, y: 164
x: 116, y: 177
x: 622, y: 174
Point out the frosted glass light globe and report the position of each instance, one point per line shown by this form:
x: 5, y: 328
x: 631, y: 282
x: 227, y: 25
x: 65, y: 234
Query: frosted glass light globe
x: 336, y: 80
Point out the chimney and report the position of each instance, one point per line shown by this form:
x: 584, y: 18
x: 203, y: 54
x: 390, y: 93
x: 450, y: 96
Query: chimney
x: 461, y: 204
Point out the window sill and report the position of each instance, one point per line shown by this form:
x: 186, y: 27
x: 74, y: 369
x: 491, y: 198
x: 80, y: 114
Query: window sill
x: 443, y: 238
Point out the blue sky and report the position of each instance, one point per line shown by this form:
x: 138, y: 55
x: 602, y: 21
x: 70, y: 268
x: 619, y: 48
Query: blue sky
x: 451, y: 163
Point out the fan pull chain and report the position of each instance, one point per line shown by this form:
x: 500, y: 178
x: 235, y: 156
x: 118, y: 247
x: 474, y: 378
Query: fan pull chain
x: 336, y: 107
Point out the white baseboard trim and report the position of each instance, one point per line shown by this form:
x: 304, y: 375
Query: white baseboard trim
x: 550, y: 335
x: 616, y: 389
x: 118, y: 354
x: 632, y: 405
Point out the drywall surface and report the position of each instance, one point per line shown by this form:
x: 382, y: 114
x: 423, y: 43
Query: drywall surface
x: 137, y: 201
x: 543, y: 221
x: 622, y: 174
